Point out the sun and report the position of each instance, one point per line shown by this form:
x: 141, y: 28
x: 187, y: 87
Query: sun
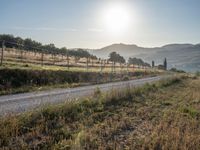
x: 116, y: 19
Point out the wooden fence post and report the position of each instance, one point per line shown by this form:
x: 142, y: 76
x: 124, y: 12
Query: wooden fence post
x: 2, y: 52
x: 101, y: 65
x: 87, y: 63
x: 112, y: 67
x: 133, y: 67
x: 42, y: 58
x: 67, y: 61
x: 54, y: 58
x: 21, y: 55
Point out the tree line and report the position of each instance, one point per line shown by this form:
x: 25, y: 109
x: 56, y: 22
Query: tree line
x: 115, y: 57
x: 137, y: 61
x: 32, y: 45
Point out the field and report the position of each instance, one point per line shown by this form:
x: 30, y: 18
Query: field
x: 15, y: 58
x: 24, y: 71
x: 163, y: 115
x: 25, y: 65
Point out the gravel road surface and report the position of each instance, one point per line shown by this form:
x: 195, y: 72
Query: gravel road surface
x: 27, y: 101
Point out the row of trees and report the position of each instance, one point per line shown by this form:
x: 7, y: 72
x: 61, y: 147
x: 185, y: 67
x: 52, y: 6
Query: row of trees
x: 138, y: 61
x: 114, y: 57
x: 31, y: 45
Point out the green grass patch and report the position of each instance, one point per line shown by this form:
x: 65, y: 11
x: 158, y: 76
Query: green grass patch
x: 190, y: 111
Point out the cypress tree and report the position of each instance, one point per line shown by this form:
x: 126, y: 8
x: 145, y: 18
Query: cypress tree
x: 165, y: 64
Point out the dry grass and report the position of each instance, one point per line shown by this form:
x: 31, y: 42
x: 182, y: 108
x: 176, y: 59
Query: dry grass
x: 164, y: 115
x: 34, y: 66
x: 19, y: 59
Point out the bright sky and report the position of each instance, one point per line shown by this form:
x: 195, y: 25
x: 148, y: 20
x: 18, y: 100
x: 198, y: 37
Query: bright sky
x: 98, y: 23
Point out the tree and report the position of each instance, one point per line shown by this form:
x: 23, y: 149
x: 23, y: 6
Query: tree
x: 114, y: 57
x: 31, y: 45
x: 20, y: 42
x: 165, y: 63
x: 64, y: 51
x: 153, y: 64
x: 9, y: 40
x: 137, y: 61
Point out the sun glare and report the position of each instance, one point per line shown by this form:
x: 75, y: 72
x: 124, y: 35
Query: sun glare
x: 116, y: 18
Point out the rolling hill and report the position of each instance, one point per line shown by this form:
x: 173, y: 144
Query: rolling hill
x: 181, y: 56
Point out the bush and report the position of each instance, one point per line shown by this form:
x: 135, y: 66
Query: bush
x: 177, y: 70
x: 125, y: 78
x: 171, y: 81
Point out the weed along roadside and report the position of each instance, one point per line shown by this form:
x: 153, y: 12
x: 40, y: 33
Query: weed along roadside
x: 17, y: 103
x: 145, y: 117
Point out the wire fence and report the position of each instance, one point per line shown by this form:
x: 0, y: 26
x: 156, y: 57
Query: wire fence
x: 37, y: 56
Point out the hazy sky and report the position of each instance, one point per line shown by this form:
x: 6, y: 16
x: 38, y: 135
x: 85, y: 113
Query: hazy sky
x: 82, y: 23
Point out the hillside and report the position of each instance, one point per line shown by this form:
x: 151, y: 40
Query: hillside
x: 149, y: 117
x: 122, y: 49
x: 28, y: 44
x: 181, y: 56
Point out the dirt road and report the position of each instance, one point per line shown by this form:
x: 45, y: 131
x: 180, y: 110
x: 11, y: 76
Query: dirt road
x: 22, y: 102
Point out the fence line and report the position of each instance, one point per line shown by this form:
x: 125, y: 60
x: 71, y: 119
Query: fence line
x: 44, y: 58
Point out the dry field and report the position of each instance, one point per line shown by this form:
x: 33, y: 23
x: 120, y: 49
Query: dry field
x: 14, y: 58
x: 164, y: 115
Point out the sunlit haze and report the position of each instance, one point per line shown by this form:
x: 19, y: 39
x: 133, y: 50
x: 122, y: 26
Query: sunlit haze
x: 98, y: 23
x: 100, y: 74
x: 117, y: 18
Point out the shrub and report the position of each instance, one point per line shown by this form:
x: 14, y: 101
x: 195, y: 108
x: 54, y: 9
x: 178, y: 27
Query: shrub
x: 170, y: 81
x: 177, y: 70
x: 125, y: 78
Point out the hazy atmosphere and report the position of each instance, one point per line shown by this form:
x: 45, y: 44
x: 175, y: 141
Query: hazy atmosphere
x: 100, y: 75
x: 98, y: 23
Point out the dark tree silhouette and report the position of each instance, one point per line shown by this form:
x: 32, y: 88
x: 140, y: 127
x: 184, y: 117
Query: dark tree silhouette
x: 31, y: 45
x: 165, y: 63
x: 114, y: 57
x: 137, y: 61
x: 153, y: 64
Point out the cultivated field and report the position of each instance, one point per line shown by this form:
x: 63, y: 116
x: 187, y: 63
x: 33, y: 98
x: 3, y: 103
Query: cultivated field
x: 24, y: 71
x: 15, y: 58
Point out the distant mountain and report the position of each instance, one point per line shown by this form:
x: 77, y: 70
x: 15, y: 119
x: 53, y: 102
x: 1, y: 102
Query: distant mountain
x: 177, y: 46
x: 181, y: 56
x: 123, y: 49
